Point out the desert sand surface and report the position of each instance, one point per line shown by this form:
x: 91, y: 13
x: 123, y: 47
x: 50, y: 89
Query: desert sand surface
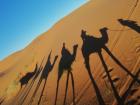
x: 113, y: 77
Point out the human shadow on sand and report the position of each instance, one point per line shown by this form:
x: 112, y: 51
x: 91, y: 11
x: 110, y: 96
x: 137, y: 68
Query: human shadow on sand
x: 92, y: 45
x: 65, y: 64
x: 44, y: 75
x: 131, y: 24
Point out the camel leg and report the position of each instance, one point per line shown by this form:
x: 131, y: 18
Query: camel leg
x: 66, y: 90
x: 73, y: 88
x: 120, y: 64
x: 118, y: 98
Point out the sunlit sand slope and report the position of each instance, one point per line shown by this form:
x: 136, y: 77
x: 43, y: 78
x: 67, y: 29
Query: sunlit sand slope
x: 122, y: 60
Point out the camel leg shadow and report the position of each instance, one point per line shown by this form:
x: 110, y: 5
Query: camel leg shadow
x: 95, y: 86
x: 2, y: 100
x: 73, y: 88
x: 118, y: 98
x: 57, y: 88
x: 127, y: 92
x: 27, y: 92
x: 37, y: 87
x: 120, y: 64
x: 20, y: 94
x: 66, y: 90
x: 42, y: 92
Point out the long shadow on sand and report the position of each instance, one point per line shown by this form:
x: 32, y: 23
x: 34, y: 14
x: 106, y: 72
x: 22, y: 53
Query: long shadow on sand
x: 24, y: 81
x: 130, y: 91
x: 47, y: 69
x: 65, y: 65
x: 27, y: 89
x: 95, y: 45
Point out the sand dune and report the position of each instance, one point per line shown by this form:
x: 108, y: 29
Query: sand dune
x: 123, y: 43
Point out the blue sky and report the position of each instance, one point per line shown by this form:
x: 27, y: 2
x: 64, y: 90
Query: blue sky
x: 21, y: 21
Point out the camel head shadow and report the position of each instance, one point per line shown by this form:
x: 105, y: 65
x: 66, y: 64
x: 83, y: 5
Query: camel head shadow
x: 24, y: 80
x: 131, y: 24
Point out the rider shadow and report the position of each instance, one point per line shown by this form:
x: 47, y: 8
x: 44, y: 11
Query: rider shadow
x: 131, y: 24
x: 44, y: 75
x: 65, y: 63
x: 25, y: 94
x: 95, y: 45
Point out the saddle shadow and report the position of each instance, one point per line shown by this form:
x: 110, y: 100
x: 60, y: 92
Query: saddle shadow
x: 131, y: 24
x: 65, y: 64
x: 44, y: 75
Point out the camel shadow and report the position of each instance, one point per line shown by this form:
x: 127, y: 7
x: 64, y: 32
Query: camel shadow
x: 95, y: 45
x: 44, y: 75
x: 25, y: 94
x: 24, y: 81
x: 131, y: 24
x: 65, y: 63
